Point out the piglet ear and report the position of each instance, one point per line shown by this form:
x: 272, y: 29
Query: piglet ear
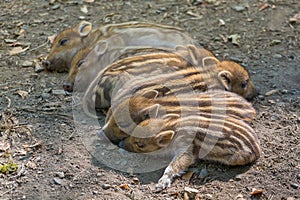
x: 83, y: 28
x: 151, y: 111
x: 225, y: 77
x: 164, y: 138
x: 150, y: 94
x: 193, y: 55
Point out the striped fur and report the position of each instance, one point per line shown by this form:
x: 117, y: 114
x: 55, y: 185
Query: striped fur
x: 181, y: 70
x: 211, y: 125
x: 129, y: 111
x: 70, y: 41
x: 186, y: 68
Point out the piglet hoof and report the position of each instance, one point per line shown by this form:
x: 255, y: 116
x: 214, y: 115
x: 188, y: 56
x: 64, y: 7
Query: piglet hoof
x: 163, y: 183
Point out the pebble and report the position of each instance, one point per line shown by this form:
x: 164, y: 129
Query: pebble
x: 106, y: 186
x: 38, y: 68
x: 271, y: 92
x: 298, y: 176
x: 294, y: 91
x: 45, y: 95
x: 274, y: 118
x: 238, y: 8
x: 294, y: 185
x: 95, y: 192
x: 261, y: 97
x: 191, y: 192
x: 276, y: 55
x: 57, y: 181
x: 58, y: 92
x: 56, y: 6
x: 284, y: 91
x: 238, y: 177
x: 60, y: 174
x: 27, y: 63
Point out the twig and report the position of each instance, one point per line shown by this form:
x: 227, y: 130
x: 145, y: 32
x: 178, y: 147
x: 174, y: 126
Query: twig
x: 9, y: 103
x: 33, y: 49
x: 7, y: 191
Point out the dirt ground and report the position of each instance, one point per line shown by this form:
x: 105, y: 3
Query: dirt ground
x: 37, y: 128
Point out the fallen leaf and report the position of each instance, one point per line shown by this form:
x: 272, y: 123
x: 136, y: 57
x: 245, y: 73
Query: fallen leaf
x: 52, y: 38
x: 235, y: 39
x: 263, y: 6
x: 84, y: 9
x: 295, y: 18
x: 9, y: 41
x: 27, y: 63
x: 271, y: 92
x: 4, y: 146
x: 187, y: 176
x: 124, y: 186
x: 22, y: 93
x: 17, y: 50
x: 135, y: 180
x: 256, y: 192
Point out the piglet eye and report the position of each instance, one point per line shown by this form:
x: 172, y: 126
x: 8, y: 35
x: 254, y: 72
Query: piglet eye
x: 244, y: 84
x: 80, y: 63
x: 63, y: 42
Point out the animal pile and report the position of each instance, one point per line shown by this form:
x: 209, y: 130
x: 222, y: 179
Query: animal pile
x: 160, y: 90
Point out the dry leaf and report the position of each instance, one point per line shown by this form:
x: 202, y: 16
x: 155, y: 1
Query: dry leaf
x: 135, y: 180
x: 296, y: 18
x: 187, y: 176
x: 17, y: 50
x: 84, y: 9
x: 256, y: 191
x: 263, y: 6
x: 22, y: 93
x: 235, y: 39
x: 4, y: 146
x: 124, y: 186
x: 52, y: 38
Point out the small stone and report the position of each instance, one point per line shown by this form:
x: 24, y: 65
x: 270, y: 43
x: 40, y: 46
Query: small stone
x: 294, y: 185
x: 271, y: 92
x: 27, y: 63
x: 298, y: 175
x: 294, y: 91
x: 34, y: 75
x: 60, y: 174
x: 9, y: 41
x: 284, y: 91
x: 275, y: 42
x: 191, y: 192
x: 261, y: 97
x: 55, y: 7
x: 274, y: 118
x: 45, y: 95
x: 58, y: 92
x: 276, y: 55
x: 106, y: 186
x: 38, y: 68
x: 203, y: 173
x: 290, y: 198
x: 238, y: 8
x: 236, y: 59
x: 271, y: 101
x: 95, y: 192
x: 57, y: 181
x: 111, y: 147
x: 238, y: 177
